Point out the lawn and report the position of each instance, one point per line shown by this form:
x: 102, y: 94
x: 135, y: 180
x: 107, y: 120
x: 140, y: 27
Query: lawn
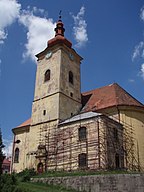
x: 39, y: 187
x: 81, y: 173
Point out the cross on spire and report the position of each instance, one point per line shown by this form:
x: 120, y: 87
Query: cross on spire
x: 60, y: 15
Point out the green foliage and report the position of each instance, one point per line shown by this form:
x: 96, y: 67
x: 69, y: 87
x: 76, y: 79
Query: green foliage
x: 1, y: 152
x: 9, y: 183
x: 26, y: 174
x: 12, y: 183
x: 82, y: 173
x: 20, y: 189
x: 41, y: 187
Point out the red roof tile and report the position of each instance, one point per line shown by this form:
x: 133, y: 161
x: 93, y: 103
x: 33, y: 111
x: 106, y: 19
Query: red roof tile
x: 103, y: 97
x: 59, y: 39
x: 6, y: 161
x: 27, y: 122
x: 108, y: 96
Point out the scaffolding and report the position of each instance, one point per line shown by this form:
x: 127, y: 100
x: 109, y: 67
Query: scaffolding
x: 60, y: 146
x: 130, y: 144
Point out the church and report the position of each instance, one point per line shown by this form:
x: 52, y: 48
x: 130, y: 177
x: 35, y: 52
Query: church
x: 100, y: 129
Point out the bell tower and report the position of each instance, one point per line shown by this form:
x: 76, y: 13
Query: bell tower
x: 57, y: 86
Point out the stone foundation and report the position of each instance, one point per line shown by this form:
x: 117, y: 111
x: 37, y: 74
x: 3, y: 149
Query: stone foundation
x: 99, y: 183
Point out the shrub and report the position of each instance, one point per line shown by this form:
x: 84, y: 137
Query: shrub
x: 26, y: 174
x: 8, y: 182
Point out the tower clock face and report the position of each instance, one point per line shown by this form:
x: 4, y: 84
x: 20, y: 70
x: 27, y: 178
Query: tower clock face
x: 48, y: 55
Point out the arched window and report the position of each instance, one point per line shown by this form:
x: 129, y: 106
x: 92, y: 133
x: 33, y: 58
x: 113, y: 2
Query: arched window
x: 82, y: 160
x: 82, y: 133
x: 16, y: 157
x: 70, y: 77
x: 47, y: 75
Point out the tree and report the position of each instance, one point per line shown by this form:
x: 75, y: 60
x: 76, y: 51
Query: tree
x: 1, y: 152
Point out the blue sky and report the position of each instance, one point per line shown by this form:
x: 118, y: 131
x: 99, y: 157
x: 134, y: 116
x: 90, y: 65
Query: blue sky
x: 109, y: 35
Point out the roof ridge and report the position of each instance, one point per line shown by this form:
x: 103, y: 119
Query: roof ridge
x: 97, y: 88
x: 115, y: 92
x: 127, y: 93
x: 25, y: 123
x: 108, y: 96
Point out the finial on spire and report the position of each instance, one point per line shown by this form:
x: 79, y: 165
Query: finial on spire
x: 59, y: 34
x: 60, y: 15
x: 59, y: 26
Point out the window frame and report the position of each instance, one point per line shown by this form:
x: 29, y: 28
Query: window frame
x: 44, y: 112
x: 117, y: 161
x: 115, y: 133
x: 82, y: 133
x: 71, y: 77
x: 16, y: 155
x: 47, y: 75
x: 82, y: 160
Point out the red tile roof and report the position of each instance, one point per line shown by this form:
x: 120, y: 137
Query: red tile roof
x: 108, y: 96
x: 6, y: 161
x: 103, y: 97
x: 26, y: 123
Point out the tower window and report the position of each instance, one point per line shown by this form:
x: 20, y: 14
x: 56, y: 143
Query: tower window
x: 71, y: 94
x: 47, y: 75
x: 70, y: 77
x: 44, y: 112
x: 82, y: 133
x: 16, y: 157
x: 82, y: 160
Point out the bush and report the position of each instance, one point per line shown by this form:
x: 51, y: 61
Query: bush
x: 8, y: 182
x: 26, y: 174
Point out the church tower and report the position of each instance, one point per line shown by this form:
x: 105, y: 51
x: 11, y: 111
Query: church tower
x: 57, y: 87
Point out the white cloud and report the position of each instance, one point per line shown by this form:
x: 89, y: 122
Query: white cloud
x: 131, y: 80
x: 8, y: 147
x: 138, y: 51
x: 39, y: 31
x: 142, y: 13
x: 38, y: 10
x: 9, y: 12
x: 142, y: 71
x: 0, y: 67
x: 80, y: 28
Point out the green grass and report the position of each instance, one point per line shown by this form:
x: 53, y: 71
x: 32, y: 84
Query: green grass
x: 40, y: 187
x: 81, y: 173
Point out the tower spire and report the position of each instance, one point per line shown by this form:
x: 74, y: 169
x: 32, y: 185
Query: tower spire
x: 59, y: 30
x: 59, y: 34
